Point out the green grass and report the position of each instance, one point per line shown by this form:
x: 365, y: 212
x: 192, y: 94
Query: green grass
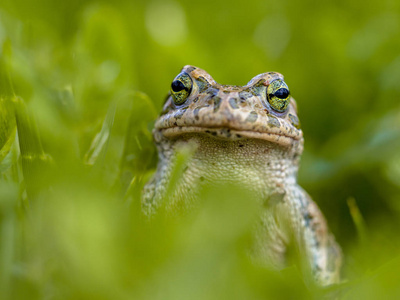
x: 81, y: 83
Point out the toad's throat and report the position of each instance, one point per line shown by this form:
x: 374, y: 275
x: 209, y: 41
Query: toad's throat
x: 233, y: 134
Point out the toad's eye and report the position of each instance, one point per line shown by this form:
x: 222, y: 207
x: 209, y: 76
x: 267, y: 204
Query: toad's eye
x: 181, y: 88
x: 278, y: 95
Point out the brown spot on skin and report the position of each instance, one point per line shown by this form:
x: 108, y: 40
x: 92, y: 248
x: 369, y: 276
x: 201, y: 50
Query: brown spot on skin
x: 255, y: 92
x: 261, y: 82
x: 226, y: 132
x: 273, y: 121
x: 252, y: 117
x: 259, y: 88
x: 196, y: 111
x: 217, y: 103
x: 213, y: 133
x: 203, y: 84
x: 294, y: 120
x: 233, y: 103
x: 242, y: 103
x: 245, y: 95
x: 213, y: 92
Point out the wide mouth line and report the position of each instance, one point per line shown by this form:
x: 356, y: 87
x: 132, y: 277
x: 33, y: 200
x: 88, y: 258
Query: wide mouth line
x: 188, y: 129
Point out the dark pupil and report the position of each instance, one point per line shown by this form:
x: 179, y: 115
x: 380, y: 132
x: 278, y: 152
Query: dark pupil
x: 177, y: 86
x: 282, y: 93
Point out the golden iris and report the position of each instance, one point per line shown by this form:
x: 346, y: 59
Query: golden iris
x: 181, y: 88
x: 278, y: 95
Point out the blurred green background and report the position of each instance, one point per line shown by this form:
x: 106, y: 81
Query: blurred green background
x: 81, y: 82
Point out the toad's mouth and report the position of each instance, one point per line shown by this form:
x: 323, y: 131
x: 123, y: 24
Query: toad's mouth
x: 233, y: 134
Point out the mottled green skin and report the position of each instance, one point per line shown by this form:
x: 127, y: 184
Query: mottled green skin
x: 239, y: 138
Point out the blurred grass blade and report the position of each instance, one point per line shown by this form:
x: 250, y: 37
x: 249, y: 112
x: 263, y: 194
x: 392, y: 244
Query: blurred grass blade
x: 32, y: 154
x: 126, y: 129
x: 100, y: 141
x: 34, y: 160
x: 7, y: 128
x: 357, y: 219
x: 7, y: 120
x: 8, y: 198
x: 138, y: 151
